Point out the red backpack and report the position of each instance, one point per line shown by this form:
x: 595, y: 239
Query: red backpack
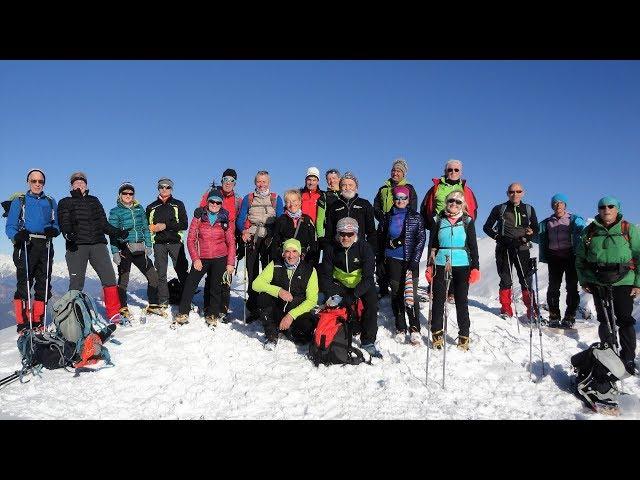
x: 332, y: 340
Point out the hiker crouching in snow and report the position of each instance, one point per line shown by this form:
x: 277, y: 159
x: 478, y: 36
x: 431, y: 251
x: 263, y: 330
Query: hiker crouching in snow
x: 287, y: 292
x: 32, y: 223
x: 212, y: 247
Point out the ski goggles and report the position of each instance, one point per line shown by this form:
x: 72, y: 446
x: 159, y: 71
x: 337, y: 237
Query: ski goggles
x: 228, y: 179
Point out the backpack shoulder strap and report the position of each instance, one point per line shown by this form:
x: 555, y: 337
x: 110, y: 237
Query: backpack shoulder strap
x: 624, y: 226
x: 528, y: 208
x: 274, y: 199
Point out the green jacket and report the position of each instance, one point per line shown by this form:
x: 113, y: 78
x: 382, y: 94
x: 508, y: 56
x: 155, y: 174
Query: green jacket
x: 608, y: 246
x: 133, y: 217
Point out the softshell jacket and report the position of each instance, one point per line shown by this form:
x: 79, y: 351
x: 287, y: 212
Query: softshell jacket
x: 383, y: 200
x: 428, y: 206
x: 576, y: 225
x: 207, y: 241
x: 608, y: 246
x: 284, y: 229
x: 310, y: 202
x: 360, y: 210
x: 352, y: 267
x: 324, y: 202
x: 457, y: 240
x: 134, y: 218
x: 84, y: 216
x: 37, y: 214
x: 172, y: 213
x: 414, y: 236
x: 512, y: 225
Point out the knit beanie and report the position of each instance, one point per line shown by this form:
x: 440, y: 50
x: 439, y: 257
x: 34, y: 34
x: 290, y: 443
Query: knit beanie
x: 559, y: 197
x: 165, y: 181
x: 78, y: 176
x: 230, y: 172
x: 401, y: 190
x: 292, y: 243
x: 347, y: 224
x: 126, y: 186
x: 44, y: 177
x: 401, y: 164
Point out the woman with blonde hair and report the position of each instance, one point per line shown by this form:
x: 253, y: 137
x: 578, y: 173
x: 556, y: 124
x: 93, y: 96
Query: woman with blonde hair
x: 295, y: 224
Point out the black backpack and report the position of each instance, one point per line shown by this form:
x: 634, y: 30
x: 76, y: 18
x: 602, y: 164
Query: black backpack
x: 46, y: 349
x: 597, y: 369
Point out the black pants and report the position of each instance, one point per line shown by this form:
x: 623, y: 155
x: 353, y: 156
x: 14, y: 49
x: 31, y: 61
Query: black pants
x: 145, y: 265
x: 382, y: 277
x: 460, y: 278
x: 369, y: 319
x: 272, y: 311
x: 161, y: 254
x: 214, y: 268
x: 98, y: 256
x: 504, y: 267
x: 557, y: 267
x: 396, y: 272
x: 38, y: 274
x: 257, y: 255
x: 623, y: 308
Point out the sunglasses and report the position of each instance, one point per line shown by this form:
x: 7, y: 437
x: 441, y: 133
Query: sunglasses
x: 39, y: 182
x: 127, y: 194
x: 215, y: 202
x: 262, y: 172
x: 610, y: 207
x: 453, y: 200
x: 166, y: 187
x: 346, y: 234
x: 449, y: 170
x: 401, y: 198
x: 511, y: 192
x: 228, y: 180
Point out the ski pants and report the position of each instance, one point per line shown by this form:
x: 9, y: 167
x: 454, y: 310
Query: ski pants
x: 272, y: 311
x: 369, y: 319
x: 98, y: 256
x: 623, y: 309
x: 145, y: 265
x: 559, y: 266
x: 382, y: 275
x: 257, y: 255
x: 396, y: 273
x: 213, y: 268
x: 37, y: 269
x: 161, y: 254
x: 460, y: 278
x: 504, y: 267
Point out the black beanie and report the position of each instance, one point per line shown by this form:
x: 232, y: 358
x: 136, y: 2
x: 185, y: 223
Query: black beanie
x: 230, y: 172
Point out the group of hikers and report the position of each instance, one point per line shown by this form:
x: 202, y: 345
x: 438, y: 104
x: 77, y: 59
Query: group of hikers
x: 311, y: 242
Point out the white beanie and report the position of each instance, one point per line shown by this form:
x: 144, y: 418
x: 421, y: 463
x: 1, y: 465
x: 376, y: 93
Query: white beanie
x: 313, y: 172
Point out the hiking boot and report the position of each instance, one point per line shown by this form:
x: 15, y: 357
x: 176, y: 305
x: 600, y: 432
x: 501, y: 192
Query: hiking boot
x: 371, y: 349
x: 154, y: 309
x: 463, y: 343
x: 415, y: 338
x: 630, y: 366
x: 451, y: 299
x: 401, y: 336
x: 124, y: 313
x: 211, y: 320
x: 568, y: 321
x: 181, y: 318
x: 554, y: 320
x: 271, y: 342
x: 437, y: 339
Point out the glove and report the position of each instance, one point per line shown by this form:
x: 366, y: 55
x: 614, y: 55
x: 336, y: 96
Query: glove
x: 51, y: 232
x: 149, y: 251
x: 124, y: 233
x: 333, y: 301
x: 474, y: 276
x: 70, y: 237
x: 428, y: 274
x: 22, y: 236
x: 117, y: 258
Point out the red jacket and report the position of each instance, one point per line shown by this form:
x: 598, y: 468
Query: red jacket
x: 205, y: 241
x: 230, y: 203
x: 310, y: 203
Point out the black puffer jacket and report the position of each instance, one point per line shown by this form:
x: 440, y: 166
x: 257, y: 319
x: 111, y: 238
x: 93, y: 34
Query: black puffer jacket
x: 83, y: 221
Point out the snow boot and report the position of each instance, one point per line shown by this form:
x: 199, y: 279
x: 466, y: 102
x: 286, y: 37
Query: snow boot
x: 371, y: 349
x: 532, y: 309
x: 505, y: 302
x: 400, y: 336
x: 463, y: 343
x: 415, y: 338
x: 211, y: 320
x: 554, y: 320
x: 21, y: 311
x: 568, y: 321
x: 38, y: 314
x: 437, y: 339
x: 154, y: 309
x: 181, y: 318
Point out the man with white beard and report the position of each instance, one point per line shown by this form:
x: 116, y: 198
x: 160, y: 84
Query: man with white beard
x: 349, y: 204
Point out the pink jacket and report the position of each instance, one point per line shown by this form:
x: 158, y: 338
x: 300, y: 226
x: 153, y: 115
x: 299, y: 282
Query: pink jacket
x: 205, y: 241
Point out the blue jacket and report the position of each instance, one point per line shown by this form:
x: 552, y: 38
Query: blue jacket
x: 37, y: 215
x: 414, y: 236
x: 456, y: 241
x: 576, y: 223
x: 134, y: 218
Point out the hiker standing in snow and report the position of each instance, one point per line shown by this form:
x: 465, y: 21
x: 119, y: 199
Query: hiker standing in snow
x: 402, y: 238
x: 311, y: 198
x: 382, y: 203
x: 134, y: 249
x: 293, y: 223
x: 330, y: 196
x: 255, y: 220
x: 167, y: 219
x: 453, y: 238
x: 558, y: 238
x: 84, y: 224
x: 32, y: 223
x: 212, y: 247
x: 347, y: 270
x: 231, y: 203
x: 608, y: 255
x: 288, y: 292
x: 513, y: 225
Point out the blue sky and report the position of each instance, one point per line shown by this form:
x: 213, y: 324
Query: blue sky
x: 556, y: 126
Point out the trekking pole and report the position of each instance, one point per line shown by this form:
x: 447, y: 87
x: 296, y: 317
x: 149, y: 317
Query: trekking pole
x: 607, y: 307
x: 26, y: 261
x: 429, y: 321
x: 46, y: 288
x: 246, y: 280
x: 7, y: 380
x: 532, y: 312
x: 534, y: 267
x: 513, y: 300
x: 447, y: 276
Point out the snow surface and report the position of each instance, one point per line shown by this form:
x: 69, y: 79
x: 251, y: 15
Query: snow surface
x: 196, y: 373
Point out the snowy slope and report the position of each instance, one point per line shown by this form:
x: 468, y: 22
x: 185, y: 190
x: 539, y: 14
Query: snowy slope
x: 193, y: 373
